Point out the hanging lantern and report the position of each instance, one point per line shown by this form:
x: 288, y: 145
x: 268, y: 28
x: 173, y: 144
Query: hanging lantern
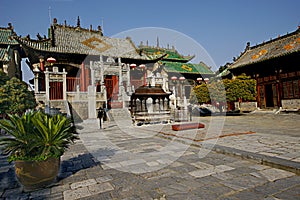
x: 132, y: 66
x: 51, y: 60
x: 199, y: 79
x: 181, y: 78
x: 142, y: 66
x: 206, y: 79
x: 173, y: 78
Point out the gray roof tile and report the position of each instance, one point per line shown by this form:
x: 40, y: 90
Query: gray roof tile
x: 280, y: 46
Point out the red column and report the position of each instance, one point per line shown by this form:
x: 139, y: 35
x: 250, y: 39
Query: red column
x: 115, y: 87
x: 42, y: 65
x: 82, y: 79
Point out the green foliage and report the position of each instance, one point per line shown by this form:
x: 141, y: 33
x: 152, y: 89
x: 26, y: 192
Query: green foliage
x: 230, y: 90
x: 217, y: 91
x: 242, y: 87
x: 15, y: 96
x: 36, y: 136
x: 200, y: 94
x: 3, y: 78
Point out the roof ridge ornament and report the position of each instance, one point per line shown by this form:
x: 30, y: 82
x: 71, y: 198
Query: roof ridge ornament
x: 78, y: 22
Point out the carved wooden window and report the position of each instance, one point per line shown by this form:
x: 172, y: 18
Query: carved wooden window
x: 296, y: 88
x: 291, y: 89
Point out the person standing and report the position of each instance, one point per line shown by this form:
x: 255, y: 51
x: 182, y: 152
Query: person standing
x: 100, y: 116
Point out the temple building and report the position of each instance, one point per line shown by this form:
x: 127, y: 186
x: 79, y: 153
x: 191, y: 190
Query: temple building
x: 275, y: 66
x: 177, y: 68
x: 10, y: 53
x: 79, y: 70
x: 165, y: 93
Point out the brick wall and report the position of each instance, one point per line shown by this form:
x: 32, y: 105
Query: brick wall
x: 290, y: 104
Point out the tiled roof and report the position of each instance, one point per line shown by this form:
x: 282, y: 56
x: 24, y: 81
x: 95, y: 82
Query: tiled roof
x: 169, y: 54
x: 224, y: 73
x: 81, y: 41
x: 5, y: 36
x: 187, y: 68
x: 278, y: 47
x: 3, y: 58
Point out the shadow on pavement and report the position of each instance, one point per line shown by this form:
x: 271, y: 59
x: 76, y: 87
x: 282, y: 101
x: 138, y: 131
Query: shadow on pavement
x: 81, y: 162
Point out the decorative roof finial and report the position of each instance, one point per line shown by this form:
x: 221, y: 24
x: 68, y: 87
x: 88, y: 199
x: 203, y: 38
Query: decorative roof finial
x: 247, y: 46
x: 157, y: 42
x: 54, y: 21
x: 10, y: 26
x: 78, y: 21
x: 100, y: 30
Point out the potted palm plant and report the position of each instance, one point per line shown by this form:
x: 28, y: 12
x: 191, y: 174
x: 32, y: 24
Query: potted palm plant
x: 35, y: 141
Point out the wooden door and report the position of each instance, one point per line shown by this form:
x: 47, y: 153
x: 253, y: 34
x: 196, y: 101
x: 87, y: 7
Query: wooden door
x: 56, y: 90
x: 112, y: 88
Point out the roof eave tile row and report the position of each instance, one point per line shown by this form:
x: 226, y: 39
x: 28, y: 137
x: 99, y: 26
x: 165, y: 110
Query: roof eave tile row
x: 4, y: 54
x: 74, y: 41
x: 188, y: 68
x: 6, y: 37
x: 276, y: 48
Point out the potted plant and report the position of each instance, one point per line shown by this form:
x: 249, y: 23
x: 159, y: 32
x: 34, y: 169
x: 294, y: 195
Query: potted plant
x: 35, y: 141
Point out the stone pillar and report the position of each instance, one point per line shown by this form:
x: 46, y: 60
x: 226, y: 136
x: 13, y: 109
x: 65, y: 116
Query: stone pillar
x: 149, y: 103
x: 92, y: 73
x: 36, y: 83
x: 102, y: 74
x: 92, y: 102
x: 121, y: 88
x: 128, y: 79
x: 64, y: 74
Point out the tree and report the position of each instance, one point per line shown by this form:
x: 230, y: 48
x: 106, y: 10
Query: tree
x: 200, y: 94
x: 15, y: 97
x: 3, y: 78
x: 242, y: 88
x: 218, y: 92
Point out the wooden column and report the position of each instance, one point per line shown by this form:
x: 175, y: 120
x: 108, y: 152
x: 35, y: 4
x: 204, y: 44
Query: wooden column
x: 82, y: 78
x: 47, y: 85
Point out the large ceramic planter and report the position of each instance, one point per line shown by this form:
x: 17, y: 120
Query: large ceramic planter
x: 37, y: 174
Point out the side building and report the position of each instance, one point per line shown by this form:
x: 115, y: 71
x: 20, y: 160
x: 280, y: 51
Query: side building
x: 276, y: 67
x: 10, y: 53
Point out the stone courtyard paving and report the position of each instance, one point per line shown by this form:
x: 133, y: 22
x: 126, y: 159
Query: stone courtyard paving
x: 153, y: 162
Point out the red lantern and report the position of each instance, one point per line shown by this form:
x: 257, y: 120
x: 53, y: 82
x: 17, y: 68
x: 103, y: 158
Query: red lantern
x: 173, y: 78
x: 142, y: 66
x: 181, y: 78
x: 132, y: 66
x: 51, y: 60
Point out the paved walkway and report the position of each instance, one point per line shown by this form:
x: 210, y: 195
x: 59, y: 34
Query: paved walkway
x: 153, y: 162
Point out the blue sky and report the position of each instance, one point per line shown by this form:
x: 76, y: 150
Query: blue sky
x: 221, y: 27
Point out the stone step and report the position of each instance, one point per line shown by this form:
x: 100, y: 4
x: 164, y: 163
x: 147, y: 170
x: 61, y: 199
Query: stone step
x: 59, y: 106
x: 117, y: 114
